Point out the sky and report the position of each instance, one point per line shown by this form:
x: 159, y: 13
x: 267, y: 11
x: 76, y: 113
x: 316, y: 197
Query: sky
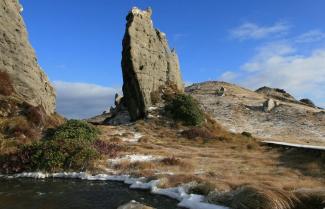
x: 252, y: 43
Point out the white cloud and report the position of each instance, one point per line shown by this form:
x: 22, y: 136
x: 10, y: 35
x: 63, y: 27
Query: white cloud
x: 301, y: 75
x: 311, y: 36
x: 83, y: 100
x: 228, y: 76
x: 253, y: 31
x: 179, y: 36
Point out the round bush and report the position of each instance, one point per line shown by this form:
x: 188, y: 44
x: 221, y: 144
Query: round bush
x: 184, y: 108
x: 76, y: 129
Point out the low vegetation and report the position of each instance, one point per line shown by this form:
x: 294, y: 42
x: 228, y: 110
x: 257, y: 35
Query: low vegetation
x: 185, y: 109
x: 247, y: 134
x: 198, y: 132
x: 76, y: 130
x: 71, y: 146
x: 253, y: 196
x: 6, y: 87
x: 203, y: 188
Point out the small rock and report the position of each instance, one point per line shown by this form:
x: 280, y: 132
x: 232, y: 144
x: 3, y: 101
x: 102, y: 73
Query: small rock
x: 134, y: 205
x: 269, y: 104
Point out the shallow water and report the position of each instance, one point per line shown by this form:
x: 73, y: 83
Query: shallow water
x: 73, y: 194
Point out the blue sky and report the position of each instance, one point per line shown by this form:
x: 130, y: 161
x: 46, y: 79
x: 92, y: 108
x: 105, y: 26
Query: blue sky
x: 279, y: 43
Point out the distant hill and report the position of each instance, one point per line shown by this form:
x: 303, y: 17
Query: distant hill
x: 239, y: 109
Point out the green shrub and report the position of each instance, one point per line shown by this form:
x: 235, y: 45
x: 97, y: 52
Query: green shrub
x: 184, y: 108
x: 76, y: 129
x: 57, y: 155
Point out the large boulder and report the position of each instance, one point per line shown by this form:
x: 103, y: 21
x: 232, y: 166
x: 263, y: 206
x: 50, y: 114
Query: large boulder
x: 147, y: 63
x: 21, y: 77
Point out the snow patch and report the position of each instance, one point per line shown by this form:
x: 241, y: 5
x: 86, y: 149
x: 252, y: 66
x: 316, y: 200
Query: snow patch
x: 134, y: 139
x: 190, y: 201
x: 134, y: 158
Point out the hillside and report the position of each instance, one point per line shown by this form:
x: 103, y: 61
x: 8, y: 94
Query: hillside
x: 240, y: 110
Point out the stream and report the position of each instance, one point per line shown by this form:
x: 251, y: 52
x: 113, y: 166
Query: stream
x: 26, y: 193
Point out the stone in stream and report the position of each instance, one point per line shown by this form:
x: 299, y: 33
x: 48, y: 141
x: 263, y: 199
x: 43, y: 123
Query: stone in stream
x: 134, y: 205
x: 147, y: 63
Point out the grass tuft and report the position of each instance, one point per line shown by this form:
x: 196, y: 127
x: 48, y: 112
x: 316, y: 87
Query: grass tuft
x: 6, y: 87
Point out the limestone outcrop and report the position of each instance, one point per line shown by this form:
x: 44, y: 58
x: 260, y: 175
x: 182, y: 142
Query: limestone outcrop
x: 21, y: 77
x: 147, y: 63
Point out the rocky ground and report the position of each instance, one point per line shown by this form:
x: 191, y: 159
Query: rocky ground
x: 240, y: 109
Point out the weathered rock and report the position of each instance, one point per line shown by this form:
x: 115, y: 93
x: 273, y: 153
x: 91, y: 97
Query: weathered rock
x: 269, y: 105
x: 27, y: 82
x: 147, y: 62
x: 118, y: 99
x: 134, y: 205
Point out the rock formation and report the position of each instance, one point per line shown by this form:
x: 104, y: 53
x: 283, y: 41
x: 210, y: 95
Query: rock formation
x: 20, y: 75
x: 147, y: 62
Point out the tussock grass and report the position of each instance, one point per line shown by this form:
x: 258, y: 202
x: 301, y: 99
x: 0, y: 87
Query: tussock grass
x: 252, y: 197
x: 310, y: 198
x: 178, y: 179
x: 6, y: 87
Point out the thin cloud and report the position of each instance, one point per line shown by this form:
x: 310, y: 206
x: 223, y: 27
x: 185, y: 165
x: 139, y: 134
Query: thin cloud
x: 301, y: 75
x: 179, y: 36
x: 253, y: 31
x: 83, y: 100
x: 311, y: 36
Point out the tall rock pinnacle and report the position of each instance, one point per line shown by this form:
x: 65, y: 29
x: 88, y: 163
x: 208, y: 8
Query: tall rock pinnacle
x: 147, y: 62
x: 19, y: 70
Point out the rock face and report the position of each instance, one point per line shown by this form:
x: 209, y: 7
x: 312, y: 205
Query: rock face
x: 147, y: 62
x: 18, y: 64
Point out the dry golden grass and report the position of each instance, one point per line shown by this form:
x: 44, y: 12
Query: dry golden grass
x: 251, y: 197
x: 226, y: 162
x: 19, y: 127
x: 178, y: 179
